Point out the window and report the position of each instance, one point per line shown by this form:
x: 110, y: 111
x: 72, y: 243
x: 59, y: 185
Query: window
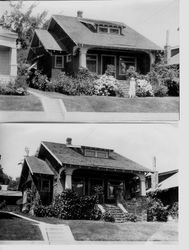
x: 90, y: 153
x: 69, y: 58
x: 78, y: 186
x: 45, y: 185
x: 125, y: 62
x: 92, y: 63
x: 115, y: 31
x: 102, y: 154
x: 103, y: 29
x: 59, y: 61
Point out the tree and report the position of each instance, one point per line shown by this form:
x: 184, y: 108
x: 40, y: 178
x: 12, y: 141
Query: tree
x: 23, y: 23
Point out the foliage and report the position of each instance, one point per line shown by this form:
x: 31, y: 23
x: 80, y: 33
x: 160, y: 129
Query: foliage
x: 156, y: 211
x: 68, y: 205
x: 174, y: 210
x: 130, y: 217
x: 108, y: 217
x: 107, y: 85
x: 13, y: 184
x: 162, y: 75
x: 110, y: 70
x: 39, y: 81
x: 4, y: 178
x: 22, y: 22
x: 131, y: 72
x: 14, y: 87
x: 160, y: 90
x: 144, y: 88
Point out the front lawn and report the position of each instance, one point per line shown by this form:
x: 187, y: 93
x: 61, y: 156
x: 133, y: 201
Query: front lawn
x: 20, y: 103
x: 14, y: 228
x: 116, y: 104
x: 84, y: 230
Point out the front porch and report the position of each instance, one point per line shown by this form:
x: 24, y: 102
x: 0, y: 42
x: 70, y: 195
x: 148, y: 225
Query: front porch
x: 114, y: 185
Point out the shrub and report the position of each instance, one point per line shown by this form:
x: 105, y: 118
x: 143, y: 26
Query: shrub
x: 39, y: 81
x: 107, y: 85
x: 131, y: 72
x: 130, y: 217
x: 144, y: 88
x: 108, y: 217
x: 173, y: 211
x: 12, y: 88
x: 20, y: 82
x: 156, y: 211
x: 160, y: 91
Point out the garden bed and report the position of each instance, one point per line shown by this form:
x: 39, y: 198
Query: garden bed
x: 20, y: 103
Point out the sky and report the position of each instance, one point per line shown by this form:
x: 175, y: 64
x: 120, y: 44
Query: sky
x: 138, y: 142
x: 149, y: 17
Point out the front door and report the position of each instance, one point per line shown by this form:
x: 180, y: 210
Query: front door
x: 115, y: 190
x: 107, y: 60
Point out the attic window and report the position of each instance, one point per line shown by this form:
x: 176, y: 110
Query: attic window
x: 115, y: 31
x: 103, y: 29
x: 96, y: 153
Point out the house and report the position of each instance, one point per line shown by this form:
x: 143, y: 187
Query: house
x: 8, y: 55
x: 73, y: 42
x: 59, y: 166
x: 8, y: 196
x: 172, y: 53
x: 167, y: 187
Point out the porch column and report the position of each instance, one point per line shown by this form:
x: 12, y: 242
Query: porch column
x: 13, y: 63
x: 142, y: 185
x: 83, y: 57
x: 68, y: 178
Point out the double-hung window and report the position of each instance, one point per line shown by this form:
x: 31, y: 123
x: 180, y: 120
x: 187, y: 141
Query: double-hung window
x: 92, y: 63
x: 59, y: 62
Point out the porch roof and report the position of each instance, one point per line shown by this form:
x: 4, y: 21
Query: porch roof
x: 47, y: 40
x: 38, y: 166
x: 80, y: 34
x: 70, y: 156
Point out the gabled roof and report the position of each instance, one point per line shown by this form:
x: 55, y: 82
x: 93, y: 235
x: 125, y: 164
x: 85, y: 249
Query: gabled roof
x: 80, y: 34
x: 68, y: 155
x: 47, y: 40
x: 38, y: 166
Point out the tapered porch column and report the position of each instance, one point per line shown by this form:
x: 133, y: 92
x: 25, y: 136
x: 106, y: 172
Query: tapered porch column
x: 83, y: 57
x: 13, y: 63
x: 142, y: 184
x: 68, y: 178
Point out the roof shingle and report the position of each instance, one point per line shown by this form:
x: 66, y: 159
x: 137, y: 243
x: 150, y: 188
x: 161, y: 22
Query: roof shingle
x: 70, y: 156
x: 38, y: 166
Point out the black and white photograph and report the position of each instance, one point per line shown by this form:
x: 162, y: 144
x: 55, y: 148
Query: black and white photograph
x: 89, y: 61
x: 89, y: 183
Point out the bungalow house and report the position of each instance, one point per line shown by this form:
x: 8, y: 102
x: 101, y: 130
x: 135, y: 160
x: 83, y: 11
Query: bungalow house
x: 59, y: 166
x: 73, y: 42
x: 8, y: 55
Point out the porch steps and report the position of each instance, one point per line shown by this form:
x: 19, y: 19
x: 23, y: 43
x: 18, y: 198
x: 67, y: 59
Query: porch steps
x: 116, y: 212
x: 124, y: 87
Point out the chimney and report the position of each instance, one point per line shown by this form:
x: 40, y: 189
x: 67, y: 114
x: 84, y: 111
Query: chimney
x: 154, y: 176
x: 68, y: 141
x: 167, y: 49
x: 80, y: 14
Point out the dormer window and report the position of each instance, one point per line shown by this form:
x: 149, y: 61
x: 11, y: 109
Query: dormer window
x: 110, y: 30
x: 96, y: 153
x: 103, y: 29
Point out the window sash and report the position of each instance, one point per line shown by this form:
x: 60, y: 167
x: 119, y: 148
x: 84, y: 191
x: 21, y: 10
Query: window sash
x: 92, y: 62
x: 128, y: 61
x: 59, y: 64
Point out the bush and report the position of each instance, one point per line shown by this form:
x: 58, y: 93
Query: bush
x: 108, y: 217
x: 107, y: 85
x: 131, y: 72
x: 13, y: 88
x: 156, y: 211
x: 144, y: 88
x: 160, y: 91
x: 130, y: 217
x: 173, y: 211
x: 39, y: 81
x: 68, y: 205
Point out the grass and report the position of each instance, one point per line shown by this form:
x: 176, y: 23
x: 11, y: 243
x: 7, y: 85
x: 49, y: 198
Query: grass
x: 116, y: 104
x: 20, y: 103
x: 104, y: 231
x: 14, y: 228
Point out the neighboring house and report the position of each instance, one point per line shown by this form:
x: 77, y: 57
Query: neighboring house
x: 167, y: 186
x: 8, y: 55
x: 81, y: 168
x: 73, y: 42
x: 11, y: 197
x: 172, y: 53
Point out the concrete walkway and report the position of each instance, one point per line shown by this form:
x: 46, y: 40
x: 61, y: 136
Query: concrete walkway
x: 52, y: 233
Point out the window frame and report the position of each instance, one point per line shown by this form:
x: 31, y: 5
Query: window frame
x: 68, y: 58
x: 113, y: 28
x: 104, y: 27
x: 82, y: 179
x: 93, y: 60
x: 57, y: 66
x: 49, y: 185
x: 135, y: 63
